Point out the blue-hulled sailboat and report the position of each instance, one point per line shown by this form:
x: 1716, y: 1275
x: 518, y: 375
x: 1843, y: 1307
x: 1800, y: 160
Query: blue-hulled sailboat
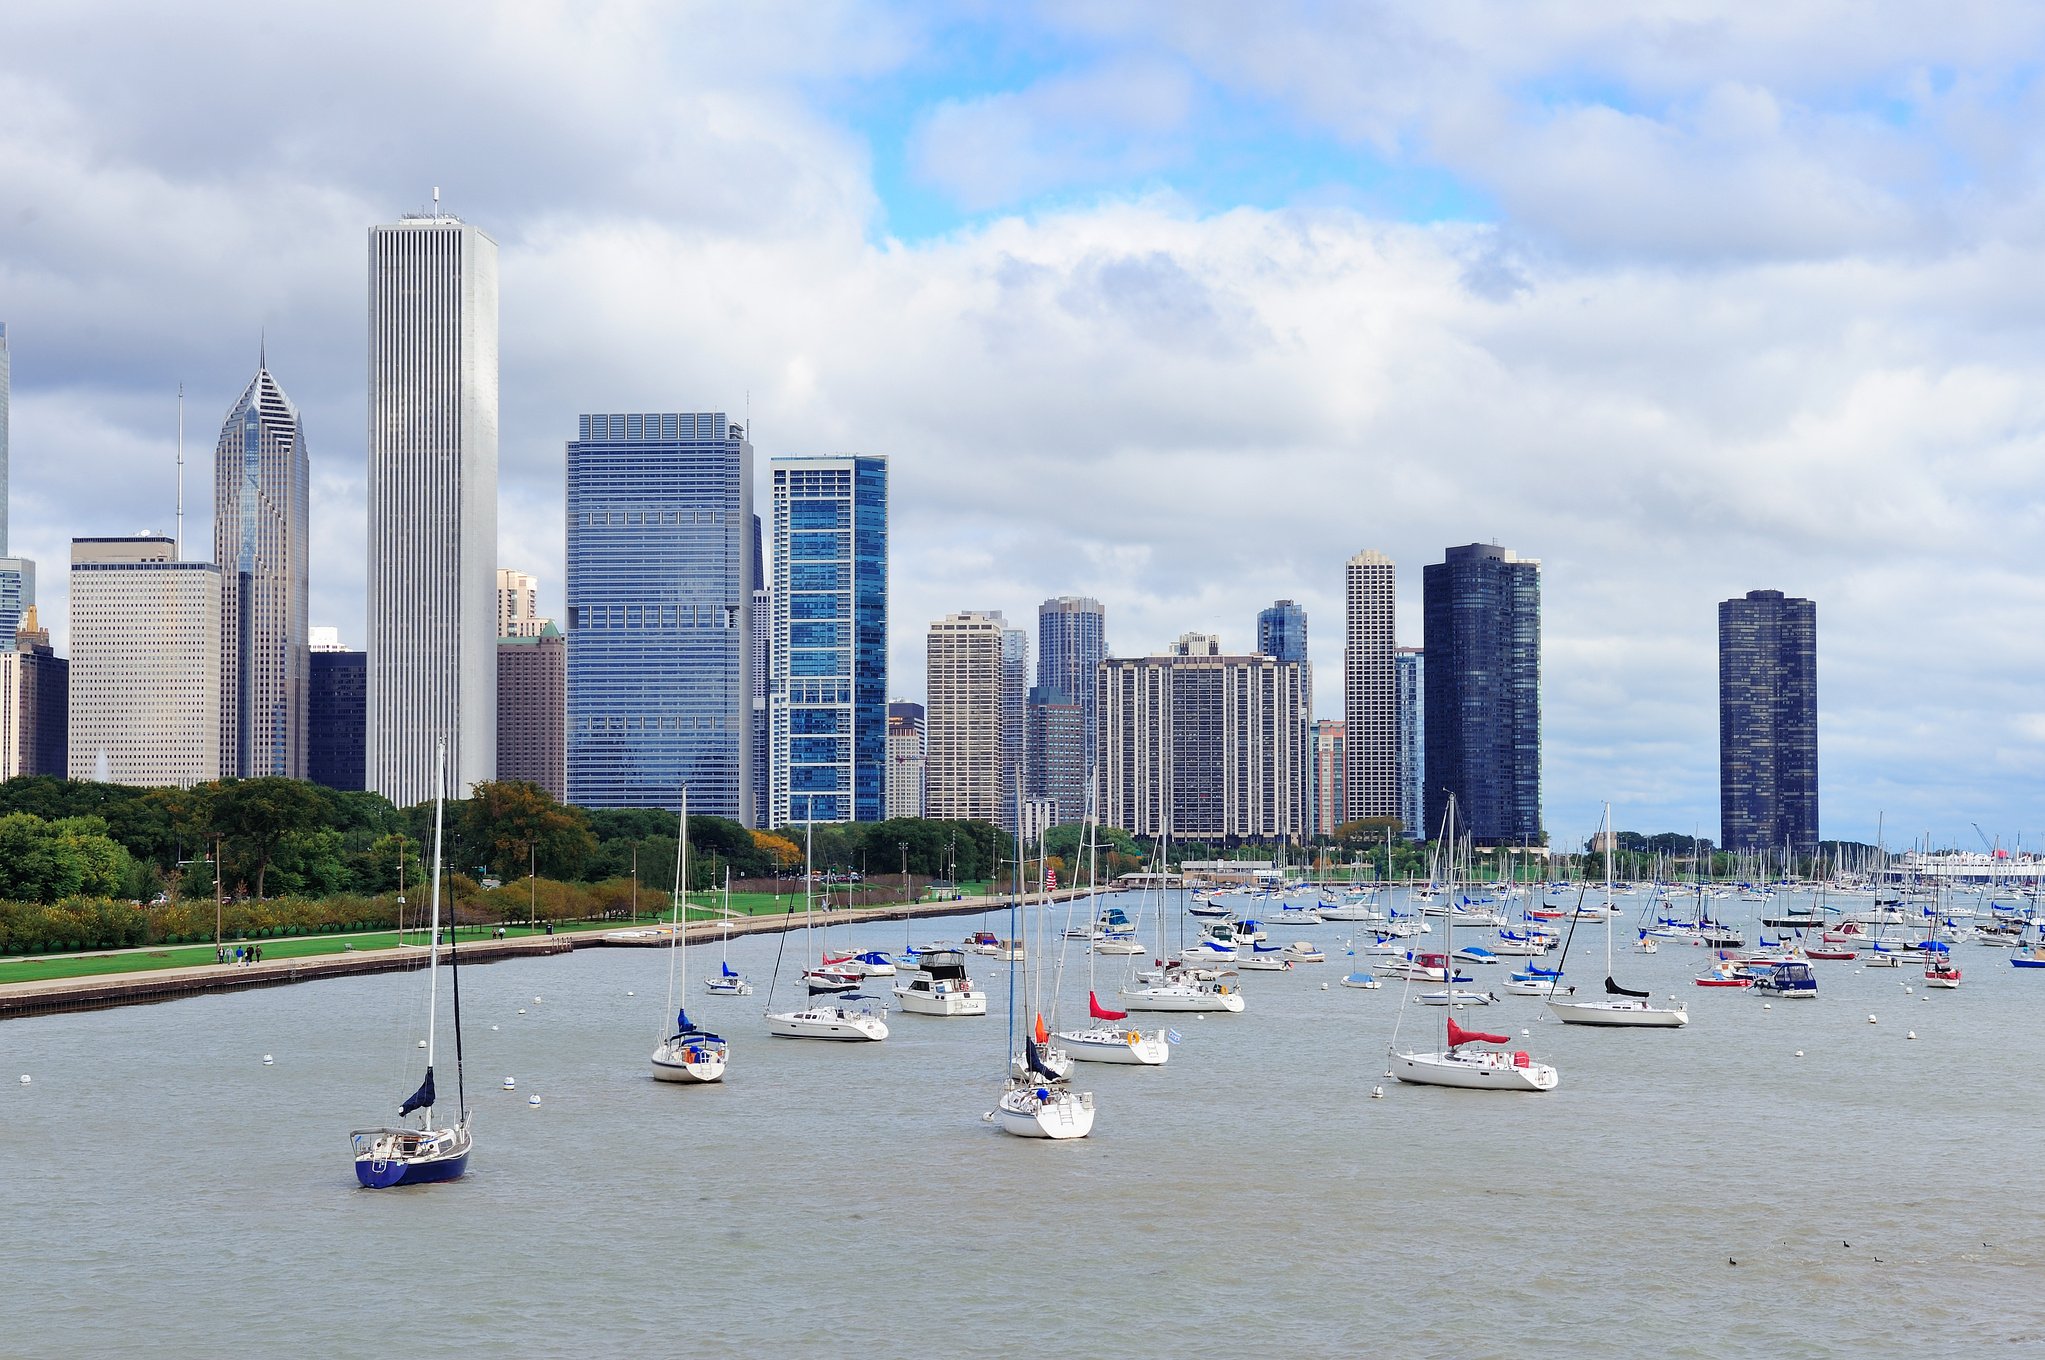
x: 691, y: 1053
x: 416, y: 1154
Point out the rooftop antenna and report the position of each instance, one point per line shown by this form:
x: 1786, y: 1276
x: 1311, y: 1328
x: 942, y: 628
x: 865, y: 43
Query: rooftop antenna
x: 177, y: 545
x: 436, y: 200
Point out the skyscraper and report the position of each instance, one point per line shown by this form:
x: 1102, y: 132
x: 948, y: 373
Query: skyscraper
x: 532, y: 706
x: 1015, y: 744
x: 830, y: 695
x: 905, y: 759
x: 261, y: 480
x: 1768, y: 723
x: 145, y: 664
x: 660, y: 511
x: 1482, y: 616
x: 1057, y: 755
x: 1282, y: 632
x: 432, y: 505
x: 761, y: 734
x: 1370, y: 703
x: 1329, y: 759
x: 1071, y: 643
x: 17, y: 574
x: 35, y: 705
x: 518, y: 604
x: 962, y: 721
x: 336, y: 712
x: 1203, y: 745
x: 1409, y: 668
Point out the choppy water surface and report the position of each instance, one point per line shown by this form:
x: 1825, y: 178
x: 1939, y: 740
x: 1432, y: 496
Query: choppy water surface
x: 167, y: 1193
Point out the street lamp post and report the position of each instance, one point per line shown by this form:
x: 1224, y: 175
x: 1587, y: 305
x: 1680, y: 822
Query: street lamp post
x: 217, y: 947
x: 532, y: 878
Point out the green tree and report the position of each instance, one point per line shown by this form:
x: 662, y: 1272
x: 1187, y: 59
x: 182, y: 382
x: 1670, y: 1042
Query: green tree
x: 254, y: 816
x: 509, y: 823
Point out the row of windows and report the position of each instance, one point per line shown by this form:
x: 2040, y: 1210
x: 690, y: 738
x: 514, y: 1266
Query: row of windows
x: 652, y: 616
x: 655, y: 722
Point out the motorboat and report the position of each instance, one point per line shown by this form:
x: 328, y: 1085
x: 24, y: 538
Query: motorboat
x: 871, y: 963
x: 941, y: 986
x: 1304, y: 951
x: 1457, y: 996
x: 1422, y: 968
x: 836, y: 1020
x: 1790, y: 979
x: 1474, y: 953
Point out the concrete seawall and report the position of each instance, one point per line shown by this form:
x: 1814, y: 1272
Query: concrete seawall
x: 101, y: 991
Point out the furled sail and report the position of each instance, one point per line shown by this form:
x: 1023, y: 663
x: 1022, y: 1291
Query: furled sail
x: 1037, y: 1064
x: 421, y: 1099
x: 1612, y: 988
x: 1458, y: 1036
x: 1100, y: 1012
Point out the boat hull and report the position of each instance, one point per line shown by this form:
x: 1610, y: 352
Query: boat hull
x: 1131, y: 1048
x: 913, y: 1002
x: 1057, y: 1115
x: 1619, y: 1014
x: 378, y: 1167
x: 1182, y: 999
x: 811, y: 1025
x: 689, y: 1064
x: 1481, y: 1072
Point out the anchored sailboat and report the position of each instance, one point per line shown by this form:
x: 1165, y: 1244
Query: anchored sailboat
x: 690, y: 1054
x: 425, y: 1152
x: 1622, y: 1007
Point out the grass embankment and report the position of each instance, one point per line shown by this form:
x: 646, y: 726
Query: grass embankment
x: 702, y: 906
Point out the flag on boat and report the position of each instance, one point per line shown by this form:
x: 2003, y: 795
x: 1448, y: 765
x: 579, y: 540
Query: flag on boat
x: 1172, y: 1036
x: 421, y: 1099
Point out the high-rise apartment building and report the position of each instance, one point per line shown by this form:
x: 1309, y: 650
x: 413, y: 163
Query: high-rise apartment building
x: 1409, y: 670
x: 1329, y: 770
x: 1203, y: 745
x: 336, y: 713
x: 261, y: 481
x: 432, y: 505
x: 761, y: 734
x: 962, y: 721
x: 145, y: 664
x: 6, y: 397
x: 532, y: 709
x: 1370, y: 703
x: 1071, y: 643
x: 1768, y: 723
x: 905, y: 759
x: 518, y: 605
x: 1482, y: 616
x: 659, y: 598
x: 1057, y: 755
x: 830, y: 694
x: 35, y: 705
x: 1015, y: 741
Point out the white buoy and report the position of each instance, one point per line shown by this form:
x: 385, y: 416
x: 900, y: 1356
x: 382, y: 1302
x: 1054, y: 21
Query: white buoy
x: 1871, y: 1020
x: 521, y: 1011
x: 631, y: 994
x: 1911, y: 1035
x: 1799, y: 1053
x: 493, y: 1027
x: 511, y: 1083
x: 267, y: 1060
x: 24, y: 1078
x: 532, y: 1100
x: 422, y: 1043
x: 1324, y: 986
x: 1377, y: 1093
x: 536, y: 1001
x: 1908, y: 992
x: 1768, y: 1005
x: 1526, y: 1033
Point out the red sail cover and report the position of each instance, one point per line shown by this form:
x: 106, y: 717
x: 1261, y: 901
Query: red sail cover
x: 1100, y: 1012
x: 1458, y: 1036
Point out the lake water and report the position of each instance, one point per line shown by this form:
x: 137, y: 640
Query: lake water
x: 168, y: 1194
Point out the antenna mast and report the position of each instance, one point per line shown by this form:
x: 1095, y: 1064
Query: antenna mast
x: 177, y: 548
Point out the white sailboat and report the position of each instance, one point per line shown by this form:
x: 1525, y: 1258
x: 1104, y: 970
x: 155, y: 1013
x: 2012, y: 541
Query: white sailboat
x: 1459, y: 1062
x: 838, y: 1018
x: 1177, y: 987
x: 690, y: 1054
x: 1622, y: 1008
x: 425, y: 1152
x: 1036, y: 1100
x: 1106, y: 1039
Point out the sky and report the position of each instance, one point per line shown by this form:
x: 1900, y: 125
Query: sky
x: 1175, y: 304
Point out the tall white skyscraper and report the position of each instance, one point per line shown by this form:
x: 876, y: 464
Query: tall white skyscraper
x: 962, y: 775
x: 145, y: 664
x: 260, y: 520
x: 1370, y: 697
x: 432, y: 505
x: 6, y: 390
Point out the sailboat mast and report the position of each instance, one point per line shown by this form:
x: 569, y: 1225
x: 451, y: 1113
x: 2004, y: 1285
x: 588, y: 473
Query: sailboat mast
x: 433, y: 938
x: 674, y: 941
x: 1608, y: 890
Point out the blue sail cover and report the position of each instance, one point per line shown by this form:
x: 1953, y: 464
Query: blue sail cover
x: 1035, y: 1057
x: 728, y: 970
x: 421, y: 1099
x: 682, y: 1025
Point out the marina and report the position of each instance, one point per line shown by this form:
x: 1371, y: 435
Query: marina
x: 1365, y: 1226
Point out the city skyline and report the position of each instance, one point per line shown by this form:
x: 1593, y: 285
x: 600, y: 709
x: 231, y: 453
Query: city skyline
x: 1296, y: 282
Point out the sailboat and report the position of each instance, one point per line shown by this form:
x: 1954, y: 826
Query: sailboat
x: 828, y: 1020
x: 727, y: 981
x: 1036, y: 1101
x: 425, y: 1152
x: 1622, y: 1007
x: 1460, y: 1064
x: 1175, y: 986
x: 690, y: 1054
x: 1107, y: 1039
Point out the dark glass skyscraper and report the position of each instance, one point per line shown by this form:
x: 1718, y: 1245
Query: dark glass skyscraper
x: 1071, y: 643
x: 1282, y: 632
x: 336, y: 712
x: 660, y: 517
x: 1768, y: 722
x: 1482, y: 616
x: 829, y: 699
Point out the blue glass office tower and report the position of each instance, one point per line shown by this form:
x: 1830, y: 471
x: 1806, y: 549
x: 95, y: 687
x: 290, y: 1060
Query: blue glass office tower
x: 1282, y: 632
x: 1768, y: 723
x: 1482, y: 738
x: 659, y: 602
x: 1071, y: 644
x: 829, y: 699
